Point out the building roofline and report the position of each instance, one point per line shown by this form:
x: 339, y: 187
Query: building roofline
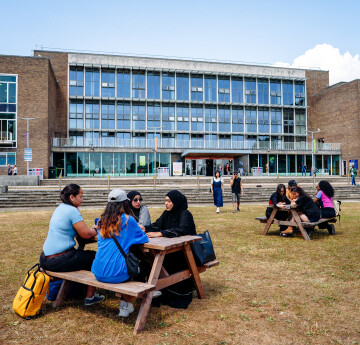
x: 335, y: 86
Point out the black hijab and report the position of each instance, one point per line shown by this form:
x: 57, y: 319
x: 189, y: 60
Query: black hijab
x: 136, y: 211
x: 179, y: 200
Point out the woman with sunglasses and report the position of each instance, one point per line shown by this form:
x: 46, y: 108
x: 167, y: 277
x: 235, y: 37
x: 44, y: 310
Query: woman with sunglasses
x: 140, y: 212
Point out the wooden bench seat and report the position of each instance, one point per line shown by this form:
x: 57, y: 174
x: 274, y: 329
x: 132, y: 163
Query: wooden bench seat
x: 289, y: 223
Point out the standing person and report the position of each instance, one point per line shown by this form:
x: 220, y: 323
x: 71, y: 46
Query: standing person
x: 303, y: 169
x: 9, y: 170
x: 227, y: 169
x: 267, y: 168
x: 14, y: 170
x: 236, y: 187
x: 59, y: 253
x: 140, y: 212
x: 324, y: 197
x: 353, y: 174
x: 175, y: 221
x: 109, y: 265
x: 217, y: 189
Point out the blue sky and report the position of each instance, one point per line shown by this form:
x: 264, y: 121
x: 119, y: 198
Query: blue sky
x: 245, y: 31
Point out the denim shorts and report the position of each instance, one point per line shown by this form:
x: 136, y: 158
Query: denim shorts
x: 235, y: 197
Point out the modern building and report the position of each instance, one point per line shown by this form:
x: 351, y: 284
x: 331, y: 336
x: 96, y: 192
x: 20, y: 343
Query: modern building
x: 101, y: 115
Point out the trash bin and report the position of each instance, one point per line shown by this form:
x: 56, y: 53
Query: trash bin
x: 52, y: 172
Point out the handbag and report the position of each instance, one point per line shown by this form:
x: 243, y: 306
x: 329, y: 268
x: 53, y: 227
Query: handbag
x: 132, y: 262
x: 29, y: 299
x: 203, y: 250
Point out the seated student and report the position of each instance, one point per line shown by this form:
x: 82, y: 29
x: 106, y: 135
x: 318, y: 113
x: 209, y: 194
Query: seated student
x: 289, y: 194
x: 175, y: 221
x: 59, y: 253
x: 139, y: 211
x: 324, y: 199
x: 278, y: 199
x: 109, y: 264
x: 309, y: 210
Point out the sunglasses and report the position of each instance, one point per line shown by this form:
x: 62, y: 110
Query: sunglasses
x: 138, y: 199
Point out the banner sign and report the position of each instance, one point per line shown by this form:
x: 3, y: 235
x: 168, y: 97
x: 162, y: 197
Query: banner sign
x: 314, y: 145
x: 28, y: 155
x: 177, y: 168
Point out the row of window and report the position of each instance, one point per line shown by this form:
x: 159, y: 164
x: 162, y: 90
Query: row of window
x: 7, y: 90
x: 7, y: 158
x: 140, y: 84
x: 151, y: 116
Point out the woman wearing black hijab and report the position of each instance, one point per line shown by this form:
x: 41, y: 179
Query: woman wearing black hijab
x: 175, y: 221
x: 140, y: 211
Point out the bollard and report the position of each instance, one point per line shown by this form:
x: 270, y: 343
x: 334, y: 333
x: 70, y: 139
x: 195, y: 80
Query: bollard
x: 313, y: 181
x: 277, y: 179
x: 154, y: 181
x: 198, y: 182
x: 348, y: 179
x: 60, y: 182
x: 108, y: 182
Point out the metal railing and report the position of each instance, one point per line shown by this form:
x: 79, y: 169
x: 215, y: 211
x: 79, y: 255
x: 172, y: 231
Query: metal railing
x: 171, y: 143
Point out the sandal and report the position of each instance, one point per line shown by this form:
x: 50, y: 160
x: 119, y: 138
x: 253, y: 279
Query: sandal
x: 285, y: 235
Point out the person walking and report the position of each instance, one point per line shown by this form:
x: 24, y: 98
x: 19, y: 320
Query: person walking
x: 217, y: 189
x: 14, y: 170
x: 353, y: 174
x: 9, y: 170
x: 236, y: 187
x: 303, y: 169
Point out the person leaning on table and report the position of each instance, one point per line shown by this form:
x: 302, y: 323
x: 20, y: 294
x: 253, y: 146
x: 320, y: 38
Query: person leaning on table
x: 59, y: 253
x: 175, y: 221
x: 139, y: 211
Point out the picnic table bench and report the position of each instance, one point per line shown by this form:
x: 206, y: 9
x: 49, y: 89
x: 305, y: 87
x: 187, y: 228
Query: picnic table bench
x: 158, y: 279
x: 296, y: 222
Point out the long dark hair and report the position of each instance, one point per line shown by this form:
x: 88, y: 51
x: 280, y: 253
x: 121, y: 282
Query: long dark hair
x: 280, y: 197
x: 217, y: 171
x: 110, y: 220
x: 299, y: 190
x: 327, y: 188
x: 70, y: 189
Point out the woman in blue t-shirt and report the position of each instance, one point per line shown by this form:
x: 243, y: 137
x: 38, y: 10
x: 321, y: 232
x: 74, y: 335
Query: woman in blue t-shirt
x: 109, y: 265
x: 59, y: 252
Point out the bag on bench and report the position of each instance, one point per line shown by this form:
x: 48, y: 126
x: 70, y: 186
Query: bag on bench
x: 30, y: 297
x: 203, y: 250
x: 337, y: 204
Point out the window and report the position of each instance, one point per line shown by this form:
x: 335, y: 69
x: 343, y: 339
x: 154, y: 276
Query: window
x: 264, y: 120
x: 123, y: 139
x: 210, y: 118
x: 300, y: 121
x: 224, y: 119
x: 107, y: 83
x: 123, y: 115
x: 263, y: 91
x: 197, y: 87
x: 168, y: 140
x: 153, y: 82
x: 151, y: 140
x: 251, y: 143
x: 237, y: 142
x: 123, y: 83
x: 276, y: 121
x: 92, y: 82
x: 264, y: 142
x: 92, y: 138
x: 168, y: 117
x: 108, y: 115
x: 92, y: 115
x: 139, y: 140
x: 197, y: 141
x: 224, y: 89
x: 250, y: 120
x: 7, y: 158
x: 168, y: 85
x: 288, y: 121
x: 76, y: 138
x: 138, y: 84
x: 182, y: 140
x: 237, y: 90
x: 197, y: 118
x: 138, y: 115
x: 288, y: 93
x: 182, y: 86
x: 210, y: 88
x: 289, y: 143
x: 153, y: 116
x: 224, y: 141
x: 7, y: 92
x: 250, y: 90
x: 7, y: 131
x: 76, y: 114
x: 299, y: 93
x: 210, y: 141
x: 182, y: 117
x: 108, y: 139
x: 275, y: 92
x: 276, y: 142
x: 237, y: 119
x: 76, y: 84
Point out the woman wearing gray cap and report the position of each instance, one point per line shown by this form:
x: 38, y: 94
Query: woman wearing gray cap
x: 109, y: 265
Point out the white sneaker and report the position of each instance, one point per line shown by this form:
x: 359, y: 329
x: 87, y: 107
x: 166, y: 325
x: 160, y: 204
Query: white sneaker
x: 218, y: 210
x: 125, y: 308
x: 157, y: 294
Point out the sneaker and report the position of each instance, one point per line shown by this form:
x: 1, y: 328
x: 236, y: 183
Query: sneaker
x: 125, y: 309
x: 217, y: 210
x: 234, y: 211
x: 157, y: 294
x: 238, y: 209
x: 94, y: 299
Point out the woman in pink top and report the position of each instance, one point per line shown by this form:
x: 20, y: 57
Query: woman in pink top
x: 324, y: 198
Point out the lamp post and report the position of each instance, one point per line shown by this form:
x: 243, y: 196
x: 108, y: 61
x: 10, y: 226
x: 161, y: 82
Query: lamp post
x: 312, y: 150
x: 27, y: 136
x: 155, y: 147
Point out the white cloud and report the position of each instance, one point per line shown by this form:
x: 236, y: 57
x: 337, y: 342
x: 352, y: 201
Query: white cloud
x: 341, y: 67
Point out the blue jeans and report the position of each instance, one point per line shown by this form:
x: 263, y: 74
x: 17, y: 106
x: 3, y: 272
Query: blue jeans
x: 353, y: 180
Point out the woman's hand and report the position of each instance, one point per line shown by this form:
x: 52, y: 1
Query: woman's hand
x: 142, y: 227
x: 154, y: 234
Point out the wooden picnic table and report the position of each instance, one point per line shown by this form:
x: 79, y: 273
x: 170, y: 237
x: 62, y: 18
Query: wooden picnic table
x: 296, y: 222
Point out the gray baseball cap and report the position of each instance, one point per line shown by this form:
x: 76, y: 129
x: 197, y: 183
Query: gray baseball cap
x: 117, y: 195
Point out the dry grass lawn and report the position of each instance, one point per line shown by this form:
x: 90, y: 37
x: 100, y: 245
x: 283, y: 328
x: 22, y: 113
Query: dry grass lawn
x: 266, y: 290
